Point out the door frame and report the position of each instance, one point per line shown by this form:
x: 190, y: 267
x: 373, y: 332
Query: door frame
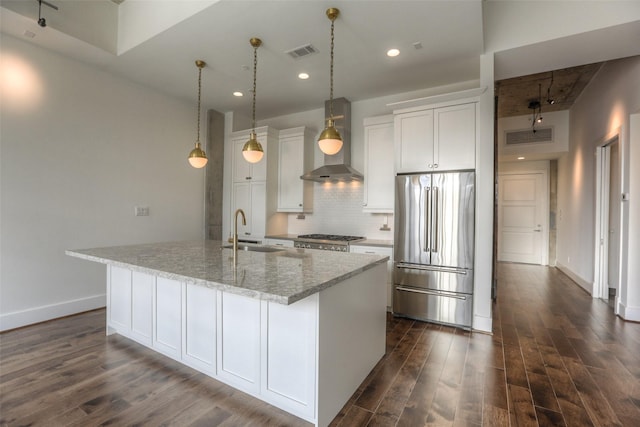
x: 601, y: 232
x: 545, y: 204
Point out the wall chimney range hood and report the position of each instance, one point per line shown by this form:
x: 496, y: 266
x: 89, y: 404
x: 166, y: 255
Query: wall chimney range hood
x: 337, y: 167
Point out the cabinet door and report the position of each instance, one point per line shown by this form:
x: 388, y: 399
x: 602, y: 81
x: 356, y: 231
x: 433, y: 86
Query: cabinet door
x: 142, y: 307
x: 119, y: 299
x: 245, y: 171
x: 455, y: 137
x: 251, y: 197
x: 290, y: 164
x: 239, y: 341
x: 414, y: 141
x: 289, y: 355
x: 378, y: 168
x: 168, y: 317
x: 199, y: 333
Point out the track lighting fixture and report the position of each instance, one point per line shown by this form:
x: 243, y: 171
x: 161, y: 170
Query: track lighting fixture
x: 550, y: 100
x: 41, y: 21
x: 536, y: 107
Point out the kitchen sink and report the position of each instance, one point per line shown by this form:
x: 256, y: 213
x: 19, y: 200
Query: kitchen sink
x: 254, y: 248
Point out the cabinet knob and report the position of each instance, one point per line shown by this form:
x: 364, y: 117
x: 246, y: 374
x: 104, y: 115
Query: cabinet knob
x: 300, y: 204
x: 247, y: 177
x: 247, y: 234
x: 364, y: 204
x: 435, y: 165
x: 430, y: 165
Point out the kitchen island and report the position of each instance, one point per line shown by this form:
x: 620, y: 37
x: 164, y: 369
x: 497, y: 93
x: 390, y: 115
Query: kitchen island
x: 298, y: 328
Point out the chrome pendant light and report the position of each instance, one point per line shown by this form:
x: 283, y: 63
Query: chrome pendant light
x: 197, y: 157
x: 330, y: 141
x: 252, y: 150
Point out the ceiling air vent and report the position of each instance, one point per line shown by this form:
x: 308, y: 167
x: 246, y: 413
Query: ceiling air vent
x: 302, y: 51
x: 516, y: 137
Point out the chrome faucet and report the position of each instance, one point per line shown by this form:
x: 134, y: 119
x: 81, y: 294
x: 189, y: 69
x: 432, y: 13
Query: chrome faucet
x: 235, y: 234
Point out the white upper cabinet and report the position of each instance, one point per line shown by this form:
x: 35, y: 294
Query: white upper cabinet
x: 295, y: 158
x: 243, y: 170
x: 378, y: 167
x: 436, y: 139
x: 414, y: 141
x: 454, y: 142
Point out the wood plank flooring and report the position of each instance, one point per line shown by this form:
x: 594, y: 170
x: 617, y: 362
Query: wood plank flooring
x: 557, y: 357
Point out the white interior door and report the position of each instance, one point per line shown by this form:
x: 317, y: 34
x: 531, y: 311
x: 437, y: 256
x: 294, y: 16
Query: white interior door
x: 614, y: 217
x: 522, y: 211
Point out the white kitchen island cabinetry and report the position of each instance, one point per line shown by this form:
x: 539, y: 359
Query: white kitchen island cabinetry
x: 299, y: 329
x: 295, y: 158
x: 435, y: 139
x: 378, y: 167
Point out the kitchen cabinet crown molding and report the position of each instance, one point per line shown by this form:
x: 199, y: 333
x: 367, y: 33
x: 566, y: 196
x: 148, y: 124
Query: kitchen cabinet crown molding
x: 436, y: 101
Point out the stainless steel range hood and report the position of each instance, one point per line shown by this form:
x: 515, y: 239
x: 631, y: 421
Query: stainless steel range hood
x: 337, y: 167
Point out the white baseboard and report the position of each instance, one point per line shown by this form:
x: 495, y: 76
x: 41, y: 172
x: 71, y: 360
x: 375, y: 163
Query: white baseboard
x: 629, y: 313
x: 482, y: 324
x: 584, y: 284
x: 43, y: 313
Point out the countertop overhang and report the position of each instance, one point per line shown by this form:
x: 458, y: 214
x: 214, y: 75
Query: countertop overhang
x: 285, y: 277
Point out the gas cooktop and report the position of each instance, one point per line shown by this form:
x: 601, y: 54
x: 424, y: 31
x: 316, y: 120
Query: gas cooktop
x: 333, y: 237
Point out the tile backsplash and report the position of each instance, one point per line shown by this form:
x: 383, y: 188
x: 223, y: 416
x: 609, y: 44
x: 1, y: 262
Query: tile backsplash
x: 337, y: 209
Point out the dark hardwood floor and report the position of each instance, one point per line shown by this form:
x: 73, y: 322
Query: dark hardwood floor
x: 557, y: 358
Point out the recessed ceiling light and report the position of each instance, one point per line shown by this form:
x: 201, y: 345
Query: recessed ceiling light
x: 303, y: 76
x: 393, y: 52
x: 237, y: 93
x: 520, y: 158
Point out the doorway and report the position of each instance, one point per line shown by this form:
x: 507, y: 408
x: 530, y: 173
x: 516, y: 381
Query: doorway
x: 608, y: 214
x: 523, y: 217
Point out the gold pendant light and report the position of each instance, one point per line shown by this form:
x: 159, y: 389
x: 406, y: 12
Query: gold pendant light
x: 330, y: 141
x: 252, y: 150
x: 197, y: 157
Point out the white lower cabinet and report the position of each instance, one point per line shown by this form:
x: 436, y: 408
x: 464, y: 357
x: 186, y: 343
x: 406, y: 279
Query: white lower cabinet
x: 199, y: 328
x: 119, y: 300
x: 385, y: 251
x: 167, y: 337
x: 289, y: 343
x: 239, y: 341
x: 142, y: 307
x: 279, y: 242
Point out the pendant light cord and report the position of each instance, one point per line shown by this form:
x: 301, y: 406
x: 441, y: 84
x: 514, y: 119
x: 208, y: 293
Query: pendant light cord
x: 199, y: 92
x: 331, y: 74
x: 255, y: 68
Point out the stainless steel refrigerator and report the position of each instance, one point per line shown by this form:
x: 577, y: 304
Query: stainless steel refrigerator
x: 434, y: 247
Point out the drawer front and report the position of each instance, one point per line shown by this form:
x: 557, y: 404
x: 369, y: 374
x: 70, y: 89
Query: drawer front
x: 441, y: 307
x: 434, y: 278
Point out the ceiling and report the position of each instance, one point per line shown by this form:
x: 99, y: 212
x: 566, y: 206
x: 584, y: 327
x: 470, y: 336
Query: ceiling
x: 560, y: 86
x: 440, y: 44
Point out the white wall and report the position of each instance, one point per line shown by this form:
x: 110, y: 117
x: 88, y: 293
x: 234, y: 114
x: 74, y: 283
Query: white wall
x: 558, y: 120
x: 80, y: 148
x: 601, y: 111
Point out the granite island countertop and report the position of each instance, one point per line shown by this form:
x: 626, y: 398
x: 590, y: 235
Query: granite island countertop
x: 285, y: 276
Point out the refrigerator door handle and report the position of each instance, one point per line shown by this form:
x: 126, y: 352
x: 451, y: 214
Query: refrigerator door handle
x: 435, y: 216
x: 429, y: 268
x: 427, y: 219
x: 426, y: 292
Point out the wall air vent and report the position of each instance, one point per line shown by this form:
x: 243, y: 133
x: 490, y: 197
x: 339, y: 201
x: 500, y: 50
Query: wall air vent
x: 302, y: 51
x: 541, y: 134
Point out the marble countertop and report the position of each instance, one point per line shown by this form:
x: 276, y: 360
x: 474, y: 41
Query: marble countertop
x: 285, y: 277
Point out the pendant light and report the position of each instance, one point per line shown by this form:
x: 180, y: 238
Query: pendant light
x: 330, y: 141
x: 197, y: 157
x: 252, y: 150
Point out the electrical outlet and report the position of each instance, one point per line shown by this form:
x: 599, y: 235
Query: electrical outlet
x: 141, y: 211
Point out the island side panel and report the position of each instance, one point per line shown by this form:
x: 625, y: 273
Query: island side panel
x: 352, y: 334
